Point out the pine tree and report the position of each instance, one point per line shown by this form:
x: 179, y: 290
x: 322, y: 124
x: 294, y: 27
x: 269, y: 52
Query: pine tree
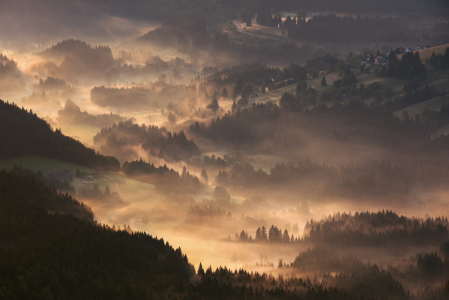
x: 258, y: 235
x: 263, y: 234
x: 323, y: 81
x: 106, y: 191
x: 204, y: 175
x: 200, y: 270
x: 224, y: 93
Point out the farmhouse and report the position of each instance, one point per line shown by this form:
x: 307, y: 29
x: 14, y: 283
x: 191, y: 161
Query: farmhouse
x: 380, y: 61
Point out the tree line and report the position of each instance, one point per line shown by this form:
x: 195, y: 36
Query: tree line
x: 165, y: 179
x: 156, y: 141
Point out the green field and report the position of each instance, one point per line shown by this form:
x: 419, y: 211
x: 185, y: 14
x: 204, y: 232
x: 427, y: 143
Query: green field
x: 45, y: 165
x: 433, y: 104
x: 275, y: 95
x: 439, y: 81
x: 427, y: 53
x: 442, y: 131
x: 133, y: 189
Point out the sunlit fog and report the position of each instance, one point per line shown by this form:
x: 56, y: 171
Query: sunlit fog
x: 293, y: 148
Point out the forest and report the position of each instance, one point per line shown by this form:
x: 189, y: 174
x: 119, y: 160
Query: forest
x: 72, y: 114
x: 158, y: 142
x: 60, y: 255
x: 165, y: 179
x: 293, y: 149
x: 23, y: 133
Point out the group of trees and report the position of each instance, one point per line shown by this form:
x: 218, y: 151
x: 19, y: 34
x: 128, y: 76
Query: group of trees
x: 211, y: 161
x: 153, y: 65
x: 376, y: 229
x: 78, y: 59
x: 165, y: 179
x: 346, y: 29
x: 23, y: 133
x: 354, y: 119
x: 441, y: 61
x: 274, y: 235
x: 328, y: 64
x: 357, y: 181
x: 368, y: 281
x: 409, y: 67
x: 50, y: 181
x: 303, y: 96
x: 59, y: 255
x: 148, y: 96
x: 157, y: 141
x: 52, y: 83
x: 363, y: 229
x: 206, y: 214
x: 188, y: 34
x: 265, y: 18
x: 8, y: 66
x: 243, y: 77
x: 413, y: 94
x: 72, y: 114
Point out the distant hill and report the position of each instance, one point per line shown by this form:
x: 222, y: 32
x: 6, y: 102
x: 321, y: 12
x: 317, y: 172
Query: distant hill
x: 156, y: 141
x: 98, y: 55
x: 23, y: 133
x: 60, y: 256
x: 78, y: 59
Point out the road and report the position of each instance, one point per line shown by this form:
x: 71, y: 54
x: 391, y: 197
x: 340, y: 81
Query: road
x: 239, y: 28
x: 118, y: 190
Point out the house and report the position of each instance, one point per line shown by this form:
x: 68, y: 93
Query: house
x: 62, y: 175
x: 348, y: 97
x: 380, y: 61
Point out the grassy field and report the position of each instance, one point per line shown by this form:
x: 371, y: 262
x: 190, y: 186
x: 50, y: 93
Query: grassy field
x: 436, y: 79
x: 231, y: 31
x: 427, y: 53
x: 133, y: 189
x: 263, y: 30
x: 433, y: 104
x: 442, y: 131
x: 142, y: 194
x: 45, y: 165
x: 275, y: 95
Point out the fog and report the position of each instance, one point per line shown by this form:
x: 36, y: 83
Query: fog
x: 217, y: 136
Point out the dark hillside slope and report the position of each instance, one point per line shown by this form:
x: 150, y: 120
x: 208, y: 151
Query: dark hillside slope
x: 60, y: 256
x: 23, y: 133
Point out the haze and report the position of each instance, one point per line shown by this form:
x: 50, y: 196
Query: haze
x: 323, y: 124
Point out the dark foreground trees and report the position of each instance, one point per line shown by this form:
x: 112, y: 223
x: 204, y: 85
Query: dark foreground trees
x: 47, y: 255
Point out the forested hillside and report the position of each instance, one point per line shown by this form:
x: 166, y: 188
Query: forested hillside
x: 47, y: 255
x: 23, y: 133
